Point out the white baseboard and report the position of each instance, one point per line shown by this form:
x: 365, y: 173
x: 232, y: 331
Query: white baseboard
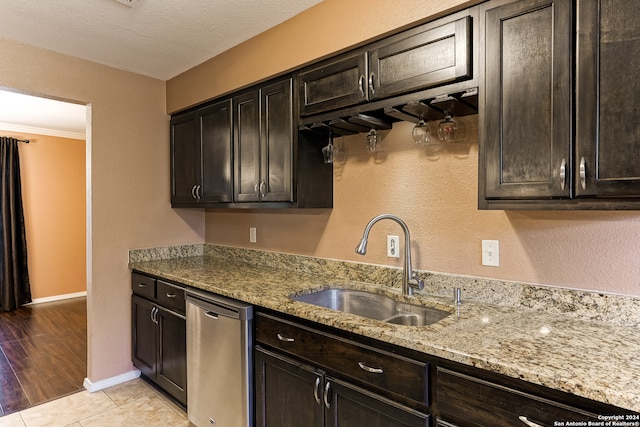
x: 118, y: 379
x: 58, y: 297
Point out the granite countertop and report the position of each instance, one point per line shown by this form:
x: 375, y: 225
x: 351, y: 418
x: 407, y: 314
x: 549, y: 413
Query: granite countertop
x: 596, y: 360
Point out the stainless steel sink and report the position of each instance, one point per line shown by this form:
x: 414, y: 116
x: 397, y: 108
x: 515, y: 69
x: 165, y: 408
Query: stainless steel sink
x: 374, y: 306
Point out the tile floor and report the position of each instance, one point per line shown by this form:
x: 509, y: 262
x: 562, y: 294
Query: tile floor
x: 134, y: 403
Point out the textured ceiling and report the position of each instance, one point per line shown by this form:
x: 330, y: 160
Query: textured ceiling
x: 157, y: 38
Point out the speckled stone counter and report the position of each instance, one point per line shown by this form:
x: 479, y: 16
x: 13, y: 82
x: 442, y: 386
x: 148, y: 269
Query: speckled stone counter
x: 593, y: 359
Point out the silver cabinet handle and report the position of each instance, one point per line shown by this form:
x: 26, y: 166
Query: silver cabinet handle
x: 529, y: 423
x: 154, y: 315
x: 563, y: 173
x: 316, y: 390
x: 370, y: 369
x: 327, y: 389
x: 198, y: 192
x: 172, y: 296
x: 142, y: 285
x: 371, y: 83
x: 263, y: 188
x: 193, y: 192
x: 285, y: 338
x: 361, y: 83
x: 255, y: 188
x: 583, y: 173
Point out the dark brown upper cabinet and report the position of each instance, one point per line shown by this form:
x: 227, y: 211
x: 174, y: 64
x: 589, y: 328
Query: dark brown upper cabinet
x: 201, y: 156
x: 339, y: 82
x: 559, y: 129
x: 243, y: 152
x: 263, y: 144
x: 420, y: 58
x: 528, y: 93
x: 431, y: 55
x: 608, y: 99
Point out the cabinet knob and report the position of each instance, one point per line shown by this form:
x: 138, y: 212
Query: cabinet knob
x: 563, y: 173
x: 583, y: 173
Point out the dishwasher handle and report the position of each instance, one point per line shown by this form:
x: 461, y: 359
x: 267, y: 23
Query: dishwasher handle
x: 215, y: 306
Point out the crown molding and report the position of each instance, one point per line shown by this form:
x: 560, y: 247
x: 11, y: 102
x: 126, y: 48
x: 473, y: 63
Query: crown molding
x: 41, y: 131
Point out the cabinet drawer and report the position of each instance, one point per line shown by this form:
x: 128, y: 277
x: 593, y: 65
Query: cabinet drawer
x: 379, y: 369
x: 171, y: 296
x: 469, y: 401
x: 144, y: 286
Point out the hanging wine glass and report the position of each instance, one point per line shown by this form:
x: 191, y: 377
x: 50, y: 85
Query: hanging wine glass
x: 447, y: 128
x: 373, y: 140
x: 421, y: 132
x: 328, y: 152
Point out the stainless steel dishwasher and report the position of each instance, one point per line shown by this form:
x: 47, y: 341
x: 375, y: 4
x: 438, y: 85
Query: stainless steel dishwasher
x: 219, y: 361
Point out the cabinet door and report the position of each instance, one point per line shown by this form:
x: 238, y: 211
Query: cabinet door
x: 288, y: 393
x: 144, y: 336
x: 336, y: 84
x: 215, y: 133
x: 418, y: 60
x: 608, y: 98
x: 352, y: 406
x: 277, y: 142
x: 247, y: 147
x: 528, y: 94
x: 171, y: 373
x: 185, y: 159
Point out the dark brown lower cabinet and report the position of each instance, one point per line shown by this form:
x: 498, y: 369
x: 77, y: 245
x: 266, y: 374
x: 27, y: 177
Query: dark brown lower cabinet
x: 285, y: 392
x: 352, y: 406
x: 159, y: 335
x: 468, y: 401
x: 292, y: 393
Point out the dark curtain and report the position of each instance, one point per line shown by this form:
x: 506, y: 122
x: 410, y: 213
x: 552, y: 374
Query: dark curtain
x: 15, y: 289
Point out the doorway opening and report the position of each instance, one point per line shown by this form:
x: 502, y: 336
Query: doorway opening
x: 55, y: 191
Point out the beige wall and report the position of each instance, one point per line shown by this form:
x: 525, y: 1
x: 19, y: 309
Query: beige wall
x: 128, y: 180
x: 437, y: 198
x: 53, y: 192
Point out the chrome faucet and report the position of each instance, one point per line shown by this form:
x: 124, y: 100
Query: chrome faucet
x: 410, y: 280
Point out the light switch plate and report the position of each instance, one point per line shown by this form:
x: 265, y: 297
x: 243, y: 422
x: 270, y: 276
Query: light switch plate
x: 252, y: 234
x: 491, y: 253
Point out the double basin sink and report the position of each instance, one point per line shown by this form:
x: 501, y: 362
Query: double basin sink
x: 374, y: 306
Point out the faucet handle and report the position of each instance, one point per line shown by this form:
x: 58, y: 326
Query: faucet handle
x: 415, y: 282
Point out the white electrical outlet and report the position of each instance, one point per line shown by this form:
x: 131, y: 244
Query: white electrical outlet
x: 252, y: 234
x: 491, y: 253
x: 393, y: 246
